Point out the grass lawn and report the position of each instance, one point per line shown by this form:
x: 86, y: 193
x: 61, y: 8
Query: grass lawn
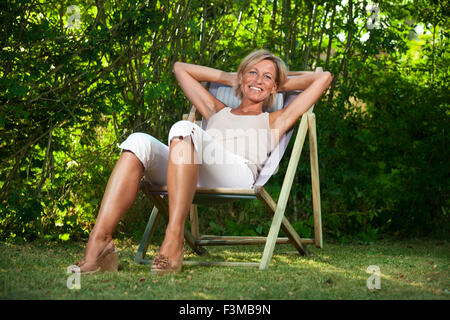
x: 410, y: 269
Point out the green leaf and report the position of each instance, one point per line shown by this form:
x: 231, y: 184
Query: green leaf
x: 64, y: 237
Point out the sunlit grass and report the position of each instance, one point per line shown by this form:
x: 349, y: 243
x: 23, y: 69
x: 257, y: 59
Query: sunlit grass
x: 409, y: 270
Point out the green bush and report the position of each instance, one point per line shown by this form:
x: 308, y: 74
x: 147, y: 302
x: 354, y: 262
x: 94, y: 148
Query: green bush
x: 68, y: 96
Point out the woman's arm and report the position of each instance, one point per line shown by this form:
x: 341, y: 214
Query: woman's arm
x: 300, y: 82
x: 190, y: 77
x: 313, y: 86
x: 202, y: 73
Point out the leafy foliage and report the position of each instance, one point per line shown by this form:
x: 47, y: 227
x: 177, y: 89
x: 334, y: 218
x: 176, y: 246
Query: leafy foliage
x: 69, y: 95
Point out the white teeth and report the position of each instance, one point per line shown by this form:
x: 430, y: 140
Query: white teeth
x: 255, y: 88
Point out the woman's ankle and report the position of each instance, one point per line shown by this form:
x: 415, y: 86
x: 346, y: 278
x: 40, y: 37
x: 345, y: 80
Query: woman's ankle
x: 96, y: 245
x: 100, y: 237
x: 171, y: 249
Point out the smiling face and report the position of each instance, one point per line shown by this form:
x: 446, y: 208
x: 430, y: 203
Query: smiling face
x: 258, y: 81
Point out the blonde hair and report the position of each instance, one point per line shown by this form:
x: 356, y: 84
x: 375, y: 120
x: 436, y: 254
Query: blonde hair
x: 255, y: 57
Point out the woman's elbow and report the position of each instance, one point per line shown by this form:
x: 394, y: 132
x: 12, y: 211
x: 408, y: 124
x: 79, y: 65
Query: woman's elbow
x: 327, y: 77
x: 177, y: 66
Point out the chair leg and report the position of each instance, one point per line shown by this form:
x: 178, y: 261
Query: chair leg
x: 318, y: 240
x: 145, y: 241
x: 284, y: 194
x: 271, y: 239
x: 271, y: 207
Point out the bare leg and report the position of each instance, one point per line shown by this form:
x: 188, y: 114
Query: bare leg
x: 120, y: 194
x: 182, y: 179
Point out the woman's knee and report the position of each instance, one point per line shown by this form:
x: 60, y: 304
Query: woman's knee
x: 189, y: 132
x: 140, y: 145
x: 181, y: 129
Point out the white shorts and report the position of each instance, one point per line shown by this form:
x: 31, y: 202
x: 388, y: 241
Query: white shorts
x: 218, y: 167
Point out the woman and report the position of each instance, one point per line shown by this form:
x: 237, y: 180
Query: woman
x: 187, y: 162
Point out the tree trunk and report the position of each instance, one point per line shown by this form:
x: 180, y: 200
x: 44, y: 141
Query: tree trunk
x: 310, y: 34
x: 322, y: 31
x: 273, y: 21
x: 330, y: 38
x: 344, y: 54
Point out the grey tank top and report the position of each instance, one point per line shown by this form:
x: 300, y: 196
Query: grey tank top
x: 248, y: 136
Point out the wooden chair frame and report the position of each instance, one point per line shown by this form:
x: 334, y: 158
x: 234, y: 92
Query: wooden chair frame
x: 196, y: 241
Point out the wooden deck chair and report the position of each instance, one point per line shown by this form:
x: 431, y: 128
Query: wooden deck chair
x: 204, y: 195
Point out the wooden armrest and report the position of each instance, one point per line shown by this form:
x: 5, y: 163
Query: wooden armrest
x: 203, y: 190
x: 191, y: 116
